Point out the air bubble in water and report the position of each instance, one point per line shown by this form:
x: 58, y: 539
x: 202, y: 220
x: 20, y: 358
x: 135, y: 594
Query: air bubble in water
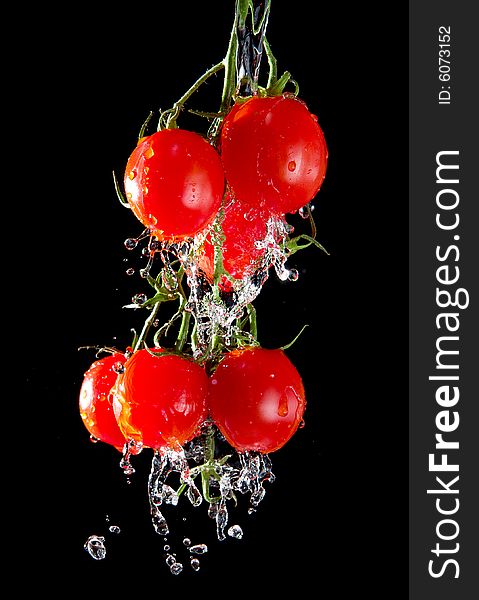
x: 166, y: 548
x: 187, y: 542
x: 95, y: 546
x: 199, y: 549
x: 93, y: 439
x: 130, y: 271
x: 235, y: 531
x: 114, y: 529
x: 195, y: 564
x: 292, y: 165
x: 176, y: 568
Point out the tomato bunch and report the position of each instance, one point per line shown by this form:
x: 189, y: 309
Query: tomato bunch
x: 160, y: 400
x: 270, y: 160
x: 215, y: 210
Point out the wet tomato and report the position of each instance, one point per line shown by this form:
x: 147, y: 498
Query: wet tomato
x: 95, y: 400
x: 274, y: 153
x: 243, y: 227
x: 160, y: 401
x: 256, y: 398
x: 174, y: 183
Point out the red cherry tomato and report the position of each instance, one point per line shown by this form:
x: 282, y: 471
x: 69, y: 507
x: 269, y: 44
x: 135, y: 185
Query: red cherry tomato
x: 274, y: 153
x: 160, y: 401
x: 174, y: 183
x: 256, y: 398
x: 95, y: 401
x: 243, y: 226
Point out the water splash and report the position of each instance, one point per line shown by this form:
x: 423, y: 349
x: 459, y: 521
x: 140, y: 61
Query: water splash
x: 95, y: 546
x: 165, y: 462
x: 216, y: 315
x: 195, y: 564
x: 130, y: 449
x: 235, y: 532
x: 176, y: 568
x: 199, y: 549
x: 114, y: 529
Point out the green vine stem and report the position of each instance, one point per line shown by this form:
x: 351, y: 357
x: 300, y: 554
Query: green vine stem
x: 168, y: 118
x: 184, y: 327
x: 241, y: 66
x: 253, y: 324
x: 146, y: 327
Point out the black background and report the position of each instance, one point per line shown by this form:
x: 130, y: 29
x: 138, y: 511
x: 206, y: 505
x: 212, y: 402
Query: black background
x: 337, y: 515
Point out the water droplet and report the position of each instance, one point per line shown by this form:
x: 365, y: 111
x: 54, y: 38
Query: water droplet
x: 131, y: 447
x: 289, y: 228
x: 139, y: 299
x: 199, y: 549
x: 176, y: 568
x: 130, y: 243
x: 95, y: 546
x: 235, y: 531
x: 250, y: 215
x: 291, y: 165
x: 119, y: 368
x: 187, y: 542
x: 293, y: 275
x: 304, y: 212
x: 212, y: 510
x: 114, y: 529
x: 130, y: 271
x: 132, y: 174
x: 195, y: 564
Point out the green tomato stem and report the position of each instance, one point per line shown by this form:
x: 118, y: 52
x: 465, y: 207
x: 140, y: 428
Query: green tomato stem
x: 272, y: 63
x: 175, y: 111
x: 253, y: 323
x: 184, y: 327
x: 146, y: 327
x: 229, y: 62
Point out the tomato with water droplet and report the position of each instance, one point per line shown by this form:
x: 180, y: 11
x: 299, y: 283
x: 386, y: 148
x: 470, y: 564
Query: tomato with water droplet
x: 243, y: 227
x: 257, y: 399
x: 174, y: 183
x: 274, y: 153
x: 160, y: 400
x: 96, y: 409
